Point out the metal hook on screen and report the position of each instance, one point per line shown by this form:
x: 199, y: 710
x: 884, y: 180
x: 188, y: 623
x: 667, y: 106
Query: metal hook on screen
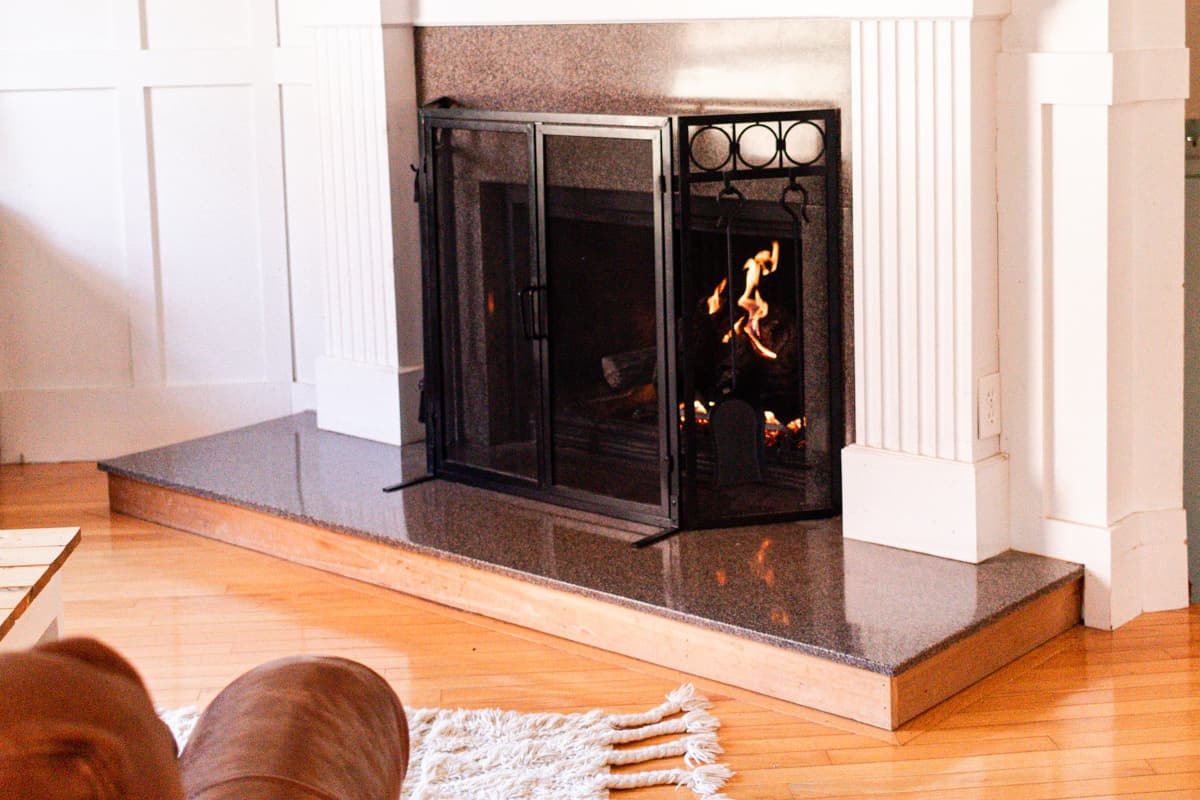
x: 723, y: 199
x: 794, y: 187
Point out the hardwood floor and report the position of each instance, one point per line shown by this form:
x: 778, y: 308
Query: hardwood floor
x: 1089, y: 714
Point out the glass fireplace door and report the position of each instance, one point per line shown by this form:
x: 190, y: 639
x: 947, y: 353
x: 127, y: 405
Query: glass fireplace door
x: 490, y: 340
x: 603, y: 253
x: 547, y: 259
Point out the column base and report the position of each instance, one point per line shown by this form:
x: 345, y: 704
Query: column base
x: 945, y: 508
x: 1139, y: 564
x: 369, y: 401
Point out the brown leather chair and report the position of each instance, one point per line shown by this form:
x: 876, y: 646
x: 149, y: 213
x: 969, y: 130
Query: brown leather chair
x: 76, y: 723
x: 306, y: 728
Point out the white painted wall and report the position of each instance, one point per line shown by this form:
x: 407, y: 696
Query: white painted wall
x: 159, y: 222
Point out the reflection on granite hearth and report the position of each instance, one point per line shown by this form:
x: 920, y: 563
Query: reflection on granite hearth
x: 796, y: 585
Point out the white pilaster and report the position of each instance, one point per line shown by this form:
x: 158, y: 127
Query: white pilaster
x: 365, y: 77
x: 924, y: 473
x: 1092, y: 296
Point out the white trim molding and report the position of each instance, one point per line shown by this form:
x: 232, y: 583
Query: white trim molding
x: 925, y: 303
x: 1091, y: 194
x: 47, y: 425
x: 366, y: 83
x: 953, y: 509
x: 545, y: 12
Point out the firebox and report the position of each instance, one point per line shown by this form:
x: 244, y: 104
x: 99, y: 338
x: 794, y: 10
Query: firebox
x: 638, y: 316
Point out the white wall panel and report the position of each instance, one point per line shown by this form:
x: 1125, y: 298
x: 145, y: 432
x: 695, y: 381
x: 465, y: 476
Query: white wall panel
x: 64, y: 320
x: 197, y: 23
x: 302, y: 171
x: 145, y: 250
x: 205, y: 187
x: 295, y: 23
x: 55, y: 24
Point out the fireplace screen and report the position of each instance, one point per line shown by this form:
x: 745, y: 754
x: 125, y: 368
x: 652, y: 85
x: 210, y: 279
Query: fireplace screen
x: 607, y: 332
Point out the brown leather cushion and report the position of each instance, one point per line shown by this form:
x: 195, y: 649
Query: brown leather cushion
x: 76, y: 723
x: 299, y: 728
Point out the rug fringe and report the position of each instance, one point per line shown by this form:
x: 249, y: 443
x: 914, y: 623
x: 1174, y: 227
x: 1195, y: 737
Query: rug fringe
x: 684, y: 715
x: 699, y: 747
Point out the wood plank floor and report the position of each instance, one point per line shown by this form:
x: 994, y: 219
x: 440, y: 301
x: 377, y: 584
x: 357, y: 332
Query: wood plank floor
x: 1089, y: 714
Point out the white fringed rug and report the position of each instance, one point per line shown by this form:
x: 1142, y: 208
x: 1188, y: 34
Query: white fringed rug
x: 488, y: 754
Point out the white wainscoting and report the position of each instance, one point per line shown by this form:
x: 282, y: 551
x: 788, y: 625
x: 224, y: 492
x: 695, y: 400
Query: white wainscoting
x: 160, y: 233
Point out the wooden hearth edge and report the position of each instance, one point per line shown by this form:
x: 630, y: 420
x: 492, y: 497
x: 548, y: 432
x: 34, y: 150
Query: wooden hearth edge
x: 830, y: 686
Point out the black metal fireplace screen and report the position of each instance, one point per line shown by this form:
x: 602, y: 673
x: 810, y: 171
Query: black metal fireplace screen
x: 612, y: 328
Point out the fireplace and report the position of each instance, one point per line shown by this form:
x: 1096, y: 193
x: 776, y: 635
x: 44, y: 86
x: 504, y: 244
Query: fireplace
x: 639, y: 316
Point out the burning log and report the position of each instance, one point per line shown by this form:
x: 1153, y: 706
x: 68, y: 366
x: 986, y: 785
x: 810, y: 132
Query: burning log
x: 626, y: 370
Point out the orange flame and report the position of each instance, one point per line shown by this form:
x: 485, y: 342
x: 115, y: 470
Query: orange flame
x: 762, y: 264
x: 714, y: 300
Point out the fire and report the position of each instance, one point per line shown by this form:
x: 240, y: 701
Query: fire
x: 762, y: 264
x: 714, y: 300
x: 759, y: 566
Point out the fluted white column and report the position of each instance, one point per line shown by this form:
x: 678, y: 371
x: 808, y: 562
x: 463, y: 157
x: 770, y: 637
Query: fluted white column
x: 365, y: 79
x: 926, y: 472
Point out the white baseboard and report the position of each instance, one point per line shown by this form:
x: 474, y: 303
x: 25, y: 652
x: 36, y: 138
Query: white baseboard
x: 93, y: 424
x: 304, y: 397
x: 1136, y: 565
x: 945, y: 508
x: 369, y: 401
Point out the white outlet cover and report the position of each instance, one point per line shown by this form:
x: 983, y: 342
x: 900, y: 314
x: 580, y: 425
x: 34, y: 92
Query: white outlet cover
x: 988, y: 412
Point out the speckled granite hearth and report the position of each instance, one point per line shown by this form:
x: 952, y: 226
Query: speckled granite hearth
x: 792, y: 610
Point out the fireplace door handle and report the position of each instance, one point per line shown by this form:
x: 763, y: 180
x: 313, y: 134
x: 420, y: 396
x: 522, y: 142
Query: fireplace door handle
x: 533, y: 312
x: 528, y: 322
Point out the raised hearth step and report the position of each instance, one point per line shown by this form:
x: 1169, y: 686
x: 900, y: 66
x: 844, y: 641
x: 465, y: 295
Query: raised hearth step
x: 792, y: 610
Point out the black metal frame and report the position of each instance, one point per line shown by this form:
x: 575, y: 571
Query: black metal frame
x: 657, y: 132
x: 734, y: 169
x: 673, y: 282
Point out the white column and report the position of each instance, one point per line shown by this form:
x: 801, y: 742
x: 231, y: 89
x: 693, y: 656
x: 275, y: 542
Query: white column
x: 1092, y: 295
x: 926, y: 472
x: 365, y: 77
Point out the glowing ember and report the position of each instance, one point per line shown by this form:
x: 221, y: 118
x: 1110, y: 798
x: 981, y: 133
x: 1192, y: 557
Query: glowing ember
x: 773, y: 429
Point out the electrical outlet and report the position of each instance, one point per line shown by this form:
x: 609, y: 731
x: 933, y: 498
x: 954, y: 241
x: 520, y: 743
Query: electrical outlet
x: 988, y: 424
